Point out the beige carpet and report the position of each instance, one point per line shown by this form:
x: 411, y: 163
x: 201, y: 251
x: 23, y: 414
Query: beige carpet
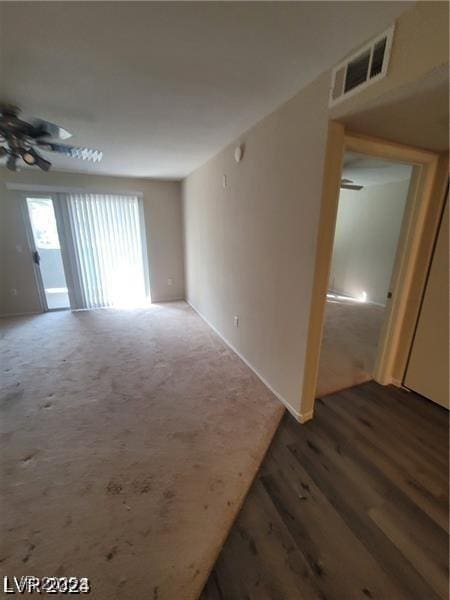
x: 129, y: 439
x: 349, y: 345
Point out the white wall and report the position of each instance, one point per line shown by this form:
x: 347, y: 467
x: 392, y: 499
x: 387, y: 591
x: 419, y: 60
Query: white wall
x: 163, y: 221
x: 250, y: 249
x: 365, y: 243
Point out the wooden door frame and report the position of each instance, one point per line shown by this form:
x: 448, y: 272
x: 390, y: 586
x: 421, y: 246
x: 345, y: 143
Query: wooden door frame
x: 413, y: 254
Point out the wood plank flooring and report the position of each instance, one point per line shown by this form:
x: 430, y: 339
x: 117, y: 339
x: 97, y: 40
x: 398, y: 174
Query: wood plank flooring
x: 352, y: 505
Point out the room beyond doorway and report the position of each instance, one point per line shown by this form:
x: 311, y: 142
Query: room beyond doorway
x: 372, y: 202
x: 349, y: 343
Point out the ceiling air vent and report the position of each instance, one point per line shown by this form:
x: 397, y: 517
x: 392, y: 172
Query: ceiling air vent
x: 367, y: 65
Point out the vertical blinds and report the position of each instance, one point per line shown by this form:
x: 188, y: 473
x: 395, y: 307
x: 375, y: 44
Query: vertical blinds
x: 108, y: 249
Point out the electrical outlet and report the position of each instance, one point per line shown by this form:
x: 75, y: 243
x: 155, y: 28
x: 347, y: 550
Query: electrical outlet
x: 169, y: 281
x: 236, y: 320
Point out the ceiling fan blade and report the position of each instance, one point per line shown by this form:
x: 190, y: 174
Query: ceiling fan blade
x: 72, y: 151
x: 54, y: 147
x: 351, y: 186
x: 45, y: 129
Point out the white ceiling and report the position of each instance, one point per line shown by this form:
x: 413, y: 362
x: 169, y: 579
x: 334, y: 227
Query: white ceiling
x: 161, y: 86
x: 367, y: 170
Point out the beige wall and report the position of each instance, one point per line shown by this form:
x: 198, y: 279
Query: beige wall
x: 162, y: 211
x: 366, y: 238
x: 250, y: 248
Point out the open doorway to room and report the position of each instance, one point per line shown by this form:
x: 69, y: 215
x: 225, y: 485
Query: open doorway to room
x: 421, y: 217
x: 372, y: 199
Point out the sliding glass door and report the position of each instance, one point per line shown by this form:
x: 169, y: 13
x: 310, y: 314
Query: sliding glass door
x: 99, y: 259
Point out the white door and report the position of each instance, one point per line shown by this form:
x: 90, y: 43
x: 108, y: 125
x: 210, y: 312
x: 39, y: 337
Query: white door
x: 427, y: 372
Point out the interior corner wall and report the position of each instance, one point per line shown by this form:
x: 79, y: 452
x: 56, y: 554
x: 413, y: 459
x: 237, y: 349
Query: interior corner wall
x: 163, y: 224
x: 250, y: 247
x: 365, y: 241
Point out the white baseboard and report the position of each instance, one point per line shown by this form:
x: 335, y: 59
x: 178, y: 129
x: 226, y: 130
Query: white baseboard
x: 377, y: 304
x: 21, y: 314
x: 344, y: 295
x: 161, y: 300
x: 300, y: 417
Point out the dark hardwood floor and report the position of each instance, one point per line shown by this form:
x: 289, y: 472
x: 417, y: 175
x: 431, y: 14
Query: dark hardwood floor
x: 353, y: 504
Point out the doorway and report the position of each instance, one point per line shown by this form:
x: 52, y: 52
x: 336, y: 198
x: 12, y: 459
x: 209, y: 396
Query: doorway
x: 46, y: 252
x: 419, y: 226
x: 372, y: 199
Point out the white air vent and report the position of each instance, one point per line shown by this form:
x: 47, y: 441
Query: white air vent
x: 367, y: 65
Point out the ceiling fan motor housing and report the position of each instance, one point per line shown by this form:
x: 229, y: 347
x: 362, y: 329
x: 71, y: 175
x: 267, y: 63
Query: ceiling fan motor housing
x: 19, y: 139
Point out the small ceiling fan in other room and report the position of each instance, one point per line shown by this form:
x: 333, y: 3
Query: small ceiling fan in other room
x: 349, y: 184
x: 21, y: 140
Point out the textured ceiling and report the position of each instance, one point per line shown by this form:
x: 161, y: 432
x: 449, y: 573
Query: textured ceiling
x: 161, y: 86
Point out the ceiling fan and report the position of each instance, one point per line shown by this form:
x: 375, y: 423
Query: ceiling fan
x: 22, y: 139
x: 348, y: 184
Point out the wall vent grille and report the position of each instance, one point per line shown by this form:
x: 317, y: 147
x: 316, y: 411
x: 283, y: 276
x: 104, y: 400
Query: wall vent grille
x: 361, y: 69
